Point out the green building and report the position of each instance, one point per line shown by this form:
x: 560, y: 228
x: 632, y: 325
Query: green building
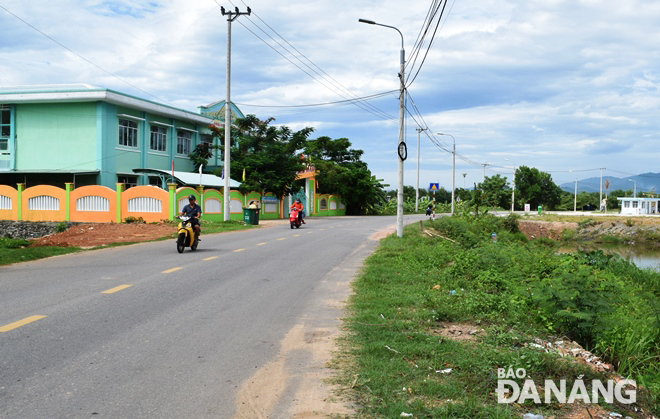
x: 94, y: 136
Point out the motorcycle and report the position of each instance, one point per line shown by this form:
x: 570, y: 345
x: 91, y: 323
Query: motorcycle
x: 185, y: 235
x: 293, y: 218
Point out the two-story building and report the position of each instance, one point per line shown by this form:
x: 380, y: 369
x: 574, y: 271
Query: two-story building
x: 95, y: 136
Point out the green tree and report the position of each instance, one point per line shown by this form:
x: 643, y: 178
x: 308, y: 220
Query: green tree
x: 341, y: 171
x: 536, y: 188
x: 612, y: 202
x: 496, y: 192
x: 269, y: 156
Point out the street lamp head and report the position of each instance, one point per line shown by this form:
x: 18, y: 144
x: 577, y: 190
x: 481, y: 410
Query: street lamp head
x: 370, y: 22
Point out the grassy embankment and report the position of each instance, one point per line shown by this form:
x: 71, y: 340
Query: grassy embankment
x: 515, y: 290
x: 19, y: 250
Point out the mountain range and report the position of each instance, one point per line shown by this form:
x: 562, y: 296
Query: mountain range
x: 645, y: 182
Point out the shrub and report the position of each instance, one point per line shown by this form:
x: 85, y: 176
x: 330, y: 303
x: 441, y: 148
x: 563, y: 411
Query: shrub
x: 134, y: 220
x: 61, y: 227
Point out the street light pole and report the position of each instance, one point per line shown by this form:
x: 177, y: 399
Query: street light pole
x: 453, y: 171
x: 635, y: 186
x: 600, y: 202
x: 419, y: 131
x: 513, y: 185
x: 232, y: 16
x: 575, y: 198
x: 402, y: 149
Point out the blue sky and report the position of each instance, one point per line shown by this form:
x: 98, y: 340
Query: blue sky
x: 558, y: 85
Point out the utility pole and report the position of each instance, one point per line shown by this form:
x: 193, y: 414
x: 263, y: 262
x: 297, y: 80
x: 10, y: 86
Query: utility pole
x: 231, y: 16
x: 600, y: 202
x: 483, y: 179
x: 419, y: 131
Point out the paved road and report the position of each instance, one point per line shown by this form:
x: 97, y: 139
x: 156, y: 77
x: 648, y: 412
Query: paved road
x: 143, y: 332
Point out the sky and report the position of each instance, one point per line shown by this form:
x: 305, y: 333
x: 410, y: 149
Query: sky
x: 566, y: 86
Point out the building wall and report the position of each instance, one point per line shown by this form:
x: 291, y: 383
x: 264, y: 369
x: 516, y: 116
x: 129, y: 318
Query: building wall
x: 56, y: 136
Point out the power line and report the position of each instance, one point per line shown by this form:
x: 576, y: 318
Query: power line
x: 363, y: 98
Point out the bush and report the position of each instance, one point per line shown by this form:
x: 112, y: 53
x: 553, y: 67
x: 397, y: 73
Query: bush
x: 9, y: 243
x: 61, y: 227
x: 134, y: 220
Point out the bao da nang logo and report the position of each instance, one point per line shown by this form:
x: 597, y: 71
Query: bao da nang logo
x: 509, y: 391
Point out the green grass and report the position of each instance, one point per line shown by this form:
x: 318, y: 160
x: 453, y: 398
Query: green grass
x: 16, y: 250
x: 516, y: 290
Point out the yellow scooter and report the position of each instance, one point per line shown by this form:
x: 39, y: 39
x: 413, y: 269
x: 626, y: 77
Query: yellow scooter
x: 186, y: 235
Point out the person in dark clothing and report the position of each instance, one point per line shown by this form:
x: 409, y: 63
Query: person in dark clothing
x: 193, y: 211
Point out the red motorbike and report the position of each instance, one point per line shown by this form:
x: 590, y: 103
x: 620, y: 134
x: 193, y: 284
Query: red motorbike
x: 293, y: 218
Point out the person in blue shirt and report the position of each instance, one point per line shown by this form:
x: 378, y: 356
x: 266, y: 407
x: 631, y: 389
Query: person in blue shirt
x: 193, y: 211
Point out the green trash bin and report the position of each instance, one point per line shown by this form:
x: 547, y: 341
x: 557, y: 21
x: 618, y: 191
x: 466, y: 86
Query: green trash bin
x: 251, y: 216
x: 540, y: 209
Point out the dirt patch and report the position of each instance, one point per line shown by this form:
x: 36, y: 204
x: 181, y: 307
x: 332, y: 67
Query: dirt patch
x: 549, y: 229
x: 464, y: 332
x: 90, y: 235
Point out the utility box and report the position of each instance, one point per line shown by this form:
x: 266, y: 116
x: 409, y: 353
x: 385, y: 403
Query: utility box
x: 540, y: 209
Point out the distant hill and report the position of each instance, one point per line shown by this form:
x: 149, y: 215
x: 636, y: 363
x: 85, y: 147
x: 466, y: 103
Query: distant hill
x: 645, y: 182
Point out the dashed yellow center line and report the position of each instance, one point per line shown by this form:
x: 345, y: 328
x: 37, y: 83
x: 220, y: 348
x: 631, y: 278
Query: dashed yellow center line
x: 238, y: 250
x: 322, y: 229
x: 115, y: 289
x: 210, y: 258
x: 296, y: 235
x: 261, y: 244
x: 309, y: 232
x: 15, y: 325
x: 282, y: 238
x: 169, y: 271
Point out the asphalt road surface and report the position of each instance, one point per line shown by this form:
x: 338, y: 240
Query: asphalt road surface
x: 144, y: 332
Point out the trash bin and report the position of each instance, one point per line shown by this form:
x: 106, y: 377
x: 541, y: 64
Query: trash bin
x: 251, y: 216
x: 540, y: 209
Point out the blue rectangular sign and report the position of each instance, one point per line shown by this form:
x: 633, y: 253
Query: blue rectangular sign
x: 434, y: 187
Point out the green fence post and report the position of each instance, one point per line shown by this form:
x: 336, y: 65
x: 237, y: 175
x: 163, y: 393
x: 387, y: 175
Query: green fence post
x: 19, y: 214
x: 68, y: 187
x: 120, y: 189
x: 171, y: 187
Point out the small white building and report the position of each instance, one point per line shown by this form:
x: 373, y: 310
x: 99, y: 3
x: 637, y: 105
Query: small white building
x: 639, y: 206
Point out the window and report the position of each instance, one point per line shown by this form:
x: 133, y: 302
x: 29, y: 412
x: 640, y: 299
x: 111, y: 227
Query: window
x: 635, y: 204
x: 128, y: 133
x: 626, y: 204
x: 5, y: 121
x: 183, y: 142
x: 158, y: 138
x: 128, y: 181
x: 206, y: 138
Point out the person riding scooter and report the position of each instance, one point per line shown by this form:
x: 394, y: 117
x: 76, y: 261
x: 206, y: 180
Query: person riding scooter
x: 193, y: 211
x: 298, y: 206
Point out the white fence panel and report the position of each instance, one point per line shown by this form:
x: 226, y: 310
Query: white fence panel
x: 323, y: 205
x: 182, y: 203
x: 270, y: 207
x: 93, y: 203
x: 235, y: 206
x: 342, y: 206
x: 145, y: 204
x: 213, y: 205
x: 333, y: 205
x: 44, y: 203
x: 5, y: 202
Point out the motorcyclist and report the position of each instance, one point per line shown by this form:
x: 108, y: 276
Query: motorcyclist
x: 193, y: 211
x: 298, y: 206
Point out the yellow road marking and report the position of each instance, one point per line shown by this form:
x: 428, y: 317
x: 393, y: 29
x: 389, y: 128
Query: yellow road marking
x: 169, y: 271
x: 283, y: 238
x: 210, y: 258
x: 309, y: 232
x: 296, y: 235
x: 15, y: 325
x: 115, y: 289
x: 261, y: 244
x: 239, y: 250
x: 322, y: 229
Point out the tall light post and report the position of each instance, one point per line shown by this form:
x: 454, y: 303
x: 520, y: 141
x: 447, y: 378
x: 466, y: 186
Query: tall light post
x: 600, y: 202
x: 513, y: 184
x: 575, y: 197
x: 401, y: 149
x: 453, y: 171
x: 483, y: 178
x: 419, y: 132
x: 635, y: 185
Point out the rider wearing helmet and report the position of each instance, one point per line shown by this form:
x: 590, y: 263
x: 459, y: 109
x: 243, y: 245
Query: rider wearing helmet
x: 193, y: 211
x: 299, y: 207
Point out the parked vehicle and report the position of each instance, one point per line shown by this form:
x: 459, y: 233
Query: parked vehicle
x: 186, y: 235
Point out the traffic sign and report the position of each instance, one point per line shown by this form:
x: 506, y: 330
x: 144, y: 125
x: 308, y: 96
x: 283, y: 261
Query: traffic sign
x: 434, y: 187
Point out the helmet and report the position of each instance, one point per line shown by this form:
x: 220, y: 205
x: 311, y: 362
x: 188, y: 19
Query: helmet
x: 298, y: 201
x: 192, y: 198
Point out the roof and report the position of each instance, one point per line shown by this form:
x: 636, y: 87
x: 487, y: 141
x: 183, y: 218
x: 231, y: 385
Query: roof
x: 630, y: 198
x: 89, y: 93
x: 192, y: 179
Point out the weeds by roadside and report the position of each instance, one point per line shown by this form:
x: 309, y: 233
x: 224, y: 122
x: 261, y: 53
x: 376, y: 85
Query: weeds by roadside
x: 515, y: 290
